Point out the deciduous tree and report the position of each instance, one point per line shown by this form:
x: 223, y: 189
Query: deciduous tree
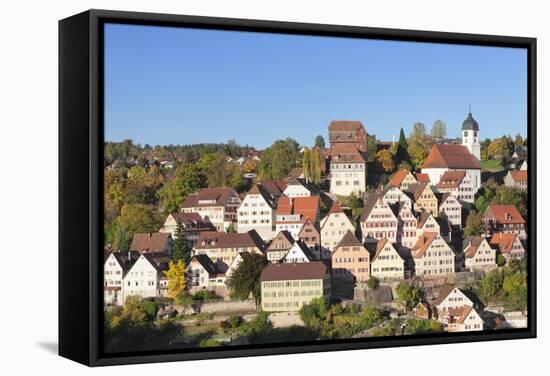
x: 245, y: 280
x: 439, y: 130
x: 384, y: 158
x: 176, y: 278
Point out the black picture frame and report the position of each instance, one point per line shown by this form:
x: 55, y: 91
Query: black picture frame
x: 80, y: 184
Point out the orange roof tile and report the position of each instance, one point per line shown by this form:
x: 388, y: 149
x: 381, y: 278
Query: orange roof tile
x: 450, y: 156
x: 504, y: 241
x: 519, y: 176
x: 398, y: 177
x: 508, y: 214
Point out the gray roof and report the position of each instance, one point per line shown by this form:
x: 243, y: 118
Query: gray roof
x: 470, y: 123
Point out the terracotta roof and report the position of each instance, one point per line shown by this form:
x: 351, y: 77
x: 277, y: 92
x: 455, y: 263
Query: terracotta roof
x: 423, y: 243
x: 215, y: 239
x: 471, y: 245
x: 451, y: 179
x: 345, y: 125
x: 208, y: 197
x: 349, y: 239
x: 335, y: 208
x: 505, y: 214
x: 460, y: 314
x: 294, y: 271
x: 295, y: 173
x: 398, y: 177
x: 422, y: 178
x: 379, y: 247
x: 519, y: 176
x: 150, y: 242
x: 307, y: 207
x: 450, y: 156
x: 345, y: 153
x: 504, y: 241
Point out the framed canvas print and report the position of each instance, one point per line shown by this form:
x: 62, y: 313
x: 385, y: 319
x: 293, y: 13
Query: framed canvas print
x: 240, y: 187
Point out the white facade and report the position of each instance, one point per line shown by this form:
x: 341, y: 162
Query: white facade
x: 407, y: 228
x: 256, y: 214
x: 437, y: 260
x: 473, y: 176
x: 296, y: 254
x: 452, y: 209
x: 381, y: 223
x: 113, y: 275
x: 296, y: 190
x: 347, y: 178
x: 142, y: 280
x: 455, y: 299
x: 484, y: 257
x: 470, y: 139
x: 394, y: 195
x: 333, y: 228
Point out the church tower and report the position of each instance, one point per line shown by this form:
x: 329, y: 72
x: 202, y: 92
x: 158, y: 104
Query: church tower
x: 470, y: 136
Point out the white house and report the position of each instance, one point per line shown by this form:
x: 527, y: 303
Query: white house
x: 333, y: 228
x: 115, y: 268
x: 378, y: 221
x: 450, y: 208
x: 478, y: 254
x: 296, y: 188
x: 348, y: 170
x: 192, y: 224
x: 386, y: 263
x: 146, y: 278
x: 218, y: 205
x: 298, y: 253
x: 432, y: 256
x: 407, y: 226
x: 257, y: 212
x: 451, y: 297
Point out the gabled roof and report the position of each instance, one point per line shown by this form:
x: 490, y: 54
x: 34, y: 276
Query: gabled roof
x: 460, y: 314
x: 504, y: 241
x: 470, y: 245
x: 159, y: 261
x: 344, y: 153
x: 443, y: 293
x: 274, y: 187
x: 295, y: 173
x: 284, y: 235
x: 398, y: 177
x: 345, y: 125
x: 206, y: 263
x: 305, y: 250
x: 508, y: 214
x: 207, y: 197
x: 380, y: 246
x: 150, y: 242
x: 216, y: 239
x: 443, y: 197
x: 349, y: 240
x: 192, y: 220
x: 451, y: 179
x: 451, y: 156
x: 335, y: 208
x: 423, y: 243
x: 519, y: 176
x: 369, y: 205
x: 294, y: 271
x: 259, y: 189
x: 424, y: 216
x: 416, y: 190
x: 126, y: 259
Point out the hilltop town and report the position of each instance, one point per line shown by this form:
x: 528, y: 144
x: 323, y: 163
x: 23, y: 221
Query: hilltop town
x: 211, y: 245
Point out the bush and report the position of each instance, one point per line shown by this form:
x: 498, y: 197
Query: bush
x: 235, y: 321
x: 209, y: 343
x: 373, y: 283
x: 501, y: 260
x: 206, y: 295
x: 150, y: 309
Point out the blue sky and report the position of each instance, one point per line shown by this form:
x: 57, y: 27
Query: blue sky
x: 168, y: 85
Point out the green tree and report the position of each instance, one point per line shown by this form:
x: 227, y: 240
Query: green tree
x: 312, y: 161
x: 373, y: 282
x: 217, y: 171
x: 499, y: 149
x: 489, y: 286
x: 372, y: 147
x: 501, y: 260
x: 474, y: 224
x: 188, y: 179
x: 518, y: 140
x: 417, y: 154
x: 138, y: 218
x: 230, y: 228
x: 278, y: 159
x: 181, y: 248
x: 403, y: 139
x: 245, y: 280
x: 319, y: 142
x: 439, y: 130
x: 408, y: 296
x: 150, y: 308
x: 314, y: 313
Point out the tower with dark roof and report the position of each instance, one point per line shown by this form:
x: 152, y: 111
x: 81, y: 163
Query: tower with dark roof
x: 470, y: 136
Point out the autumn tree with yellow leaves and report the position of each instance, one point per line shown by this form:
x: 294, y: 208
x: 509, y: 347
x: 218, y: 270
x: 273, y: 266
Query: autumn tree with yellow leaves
x: 176, y: 278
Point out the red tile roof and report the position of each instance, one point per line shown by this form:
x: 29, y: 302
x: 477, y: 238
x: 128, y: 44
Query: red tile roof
x: 450, y: 156
x: 451, y: 179
x: 423, y: 243
x: 422, y: 178
x: 349, y: 240
x: 208, y: 197
x: 344, y: 153
x: 505, y: 214
x: 519, y: 176
x: 398, y: 177
x: 294, y: 271
x: 335, y: 208
x: 345, y: 125
x: 504, y: 241
x: 215, y: 239
x: 307, y: 207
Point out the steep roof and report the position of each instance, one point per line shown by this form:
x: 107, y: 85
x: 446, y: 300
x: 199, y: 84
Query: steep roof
x: 471, y: 245
x: 294, y: 271
x: 424, y: 216
x: 423, y: 243
x: 150, y: 242
x: 398, y: 177
x: 126, y: 259
x: 519, y: 176
x: 274, y: 187
x: 451, y: 179
x: 192, y: 220
x: 259, y: 189
x: 285, y: 235
x: 443, y: 293
x: 335, y: 208
x: 158, y: 260
x: 505, y: 214
x: 416, y: 190
x: 380, y: 246
x: 369, y: 205
x: 305, y: 250
x: 349, y: 240
x: 206, y: 263
x: 207, y: 197
x: 504, y: 241
x: 344, y: 153
x: 451, y: 156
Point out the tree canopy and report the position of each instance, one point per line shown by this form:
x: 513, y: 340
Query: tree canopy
x: 439, y: 129
x: 278, y: 159
x: 245, y: 280
x: 319, y: 142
